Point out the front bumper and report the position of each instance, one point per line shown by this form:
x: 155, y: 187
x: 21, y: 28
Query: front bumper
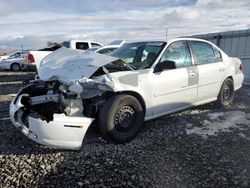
x: 29, y: 67
x: 63, y: 132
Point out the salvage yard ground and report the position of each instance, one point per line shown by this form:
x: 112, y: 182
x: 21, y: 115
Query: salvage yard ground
x: 200, y: 147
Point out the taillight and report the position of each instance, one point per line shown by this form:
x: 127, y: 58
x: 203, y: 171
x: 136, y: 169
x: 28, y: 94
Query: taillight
x: 241, y: 67
x: 31, y: 58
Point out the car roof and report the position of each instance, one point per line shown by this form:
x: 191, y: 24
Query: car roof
x: 187, y: 39
x: 169, y: 40
x: 75, y: 40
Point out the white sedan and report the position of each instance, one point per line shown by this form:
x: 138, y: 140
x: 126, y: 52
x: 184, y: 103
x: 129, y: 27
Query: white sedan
x: 142, y: 81
x: 14, y: 61
x: 108, y: 49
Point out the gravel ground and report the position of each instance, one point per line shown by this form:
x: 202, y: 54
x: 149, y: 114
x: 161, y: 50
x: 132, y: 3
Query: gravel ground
x: 169, y: 151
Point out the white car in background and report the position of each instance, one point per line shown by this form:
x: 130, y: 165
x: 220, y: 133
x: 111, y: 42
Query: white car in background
x: 11, y: 55
x: 35, y: 57
x: 14, y: 61
x: 76, y: 87
x: 108, y: 49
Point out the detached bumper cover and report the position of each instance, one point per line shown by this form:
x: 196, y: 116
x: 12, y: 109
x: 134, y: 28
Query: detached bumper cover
x: 63, y: 132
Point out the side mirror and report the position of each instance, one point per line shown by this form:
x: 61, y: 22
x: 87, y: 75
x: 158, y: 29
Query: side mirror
x: 165, y: 65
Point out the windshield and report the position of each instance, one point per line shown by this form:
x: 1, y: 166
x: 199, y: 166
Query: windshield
x: 139, y: 55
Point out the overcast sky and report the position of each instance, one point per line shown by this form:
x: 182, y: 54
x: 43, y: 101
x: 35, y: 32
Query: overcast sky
x: 35, y: 22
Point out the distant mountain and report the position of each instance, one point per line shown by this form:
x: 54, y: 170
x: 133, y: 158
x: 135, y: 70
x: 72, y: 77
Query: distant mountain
x: 6, y: 50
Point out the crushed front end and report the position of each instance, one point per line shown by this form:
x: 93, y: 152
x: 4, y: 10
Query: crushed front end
x: 57, y: 114
x: 57, y: 107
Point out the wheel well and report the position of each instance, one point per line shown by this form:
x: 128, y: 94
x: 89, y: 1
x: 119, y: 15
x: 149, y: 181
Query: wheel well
x: 137, y: 96
x: 14, y: 64
x: 230, y: 77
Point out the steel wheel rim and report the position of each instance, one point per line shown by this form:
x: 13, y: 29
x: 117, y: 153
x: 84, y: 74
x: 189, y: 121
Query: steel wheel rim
x: 15, y: 67
x: 226, y: 93
x: 124, y: 118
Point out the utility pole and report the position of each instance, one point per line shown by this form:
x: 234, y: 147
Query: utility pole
x: 166, y: 32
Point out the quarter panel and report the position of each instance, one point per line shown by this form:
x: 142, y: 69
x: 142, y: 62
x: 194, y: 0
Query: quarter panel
x: 211, y: 77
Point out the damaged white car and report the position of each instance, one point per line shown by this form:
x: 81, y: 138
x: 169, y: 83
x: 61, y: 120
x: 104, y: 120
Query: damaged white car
x: 142, y: 81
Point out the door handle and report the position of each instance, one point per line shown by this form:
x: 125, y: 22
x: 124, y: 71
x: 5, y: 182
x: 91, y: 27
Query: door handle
x: 221, y: 69
x: 191, y: 74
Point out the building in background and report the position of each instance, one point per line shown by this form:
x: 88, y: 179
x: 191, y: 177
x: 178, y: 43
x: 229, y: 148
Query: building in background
x: 235, y: 44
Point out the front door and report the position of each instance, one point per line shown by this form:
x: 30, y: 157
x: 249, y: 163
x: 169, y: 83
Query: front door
x: 176, y: 88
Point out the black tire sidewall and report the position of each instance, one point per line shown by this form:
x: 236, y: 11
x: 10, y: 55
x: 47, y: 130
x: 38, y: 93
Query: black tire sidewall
x: 107, y: 116
x: 13, y: 64
x: 223, y: 103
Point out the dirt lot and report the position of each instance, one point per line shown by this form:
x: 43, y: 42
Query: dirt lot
x: 200, y: 147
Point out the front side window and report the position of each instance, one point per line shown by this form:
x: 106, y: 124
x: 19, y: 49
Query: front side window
x: 204, y: 53
x: 179, y: 53
x: 82, y: 45
x: 139, y: 55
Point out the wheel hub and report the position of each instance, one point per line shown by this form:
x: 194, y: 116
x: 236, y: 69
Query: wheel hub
x: 15, y: 67
x: 226, y: 92
x: 124, y: 118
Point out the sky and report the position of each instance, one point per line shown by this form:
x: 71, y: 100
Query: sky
x: 33, y: 23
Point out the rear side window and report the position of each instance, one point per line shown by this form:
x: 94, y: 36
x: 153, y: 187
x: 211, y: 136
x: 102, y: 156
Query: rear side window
x: 179, y: 53
x: 217, y: 55
x: 205, y: 53
x: 82, y: 45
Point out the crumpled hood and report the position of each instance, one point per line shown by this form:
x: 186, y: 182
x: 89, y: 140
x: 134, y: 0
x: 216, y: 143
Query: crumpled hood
x: 68, y: 64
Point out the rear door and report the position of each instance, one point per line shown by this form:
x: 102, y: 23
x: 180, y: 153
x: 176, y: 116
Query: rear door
x: 176, y: 88
x: 211, y: 69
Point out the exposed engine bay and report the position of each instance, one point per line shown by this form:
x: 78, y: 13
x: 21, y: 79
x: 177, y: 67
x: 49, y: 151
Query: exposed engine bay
x: 45, y: 98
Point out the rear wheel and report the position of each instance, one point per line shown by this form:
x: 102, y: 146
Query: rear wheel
x: 15, y: 67
x: 226, y: 94
x: 121, y: 118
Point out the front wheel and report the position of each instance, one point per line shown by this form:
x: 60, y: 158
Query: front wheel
x: 226, y: 94
x: 121, y: 118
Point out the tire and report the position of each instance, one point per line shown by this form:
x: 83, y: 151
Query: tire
x: 15, y: 67
x: 226, y: 95
x: 121, y: 118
